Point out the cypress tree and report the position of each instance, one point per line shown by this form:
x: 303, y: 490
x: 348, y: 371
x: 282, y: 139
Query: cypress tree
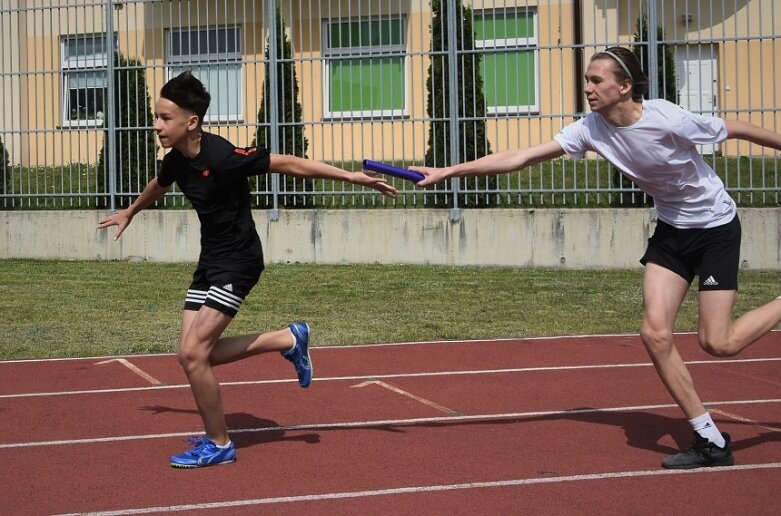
x: 291, y: 130
x: 136, y: 147
x: 473, y: 143
x: 5, y: 166
x: 667, y: 89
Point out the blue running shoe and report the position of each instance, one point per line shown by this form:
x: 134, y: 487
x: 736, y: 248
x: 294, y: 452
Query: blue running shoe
x: 205, y: 453
x: 299, y: 355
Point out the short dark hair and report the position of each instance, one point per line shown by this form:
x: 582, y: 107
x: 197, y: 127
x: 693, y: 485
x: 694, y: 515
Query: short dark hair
x: 623, y: 56
x: 187, y: 92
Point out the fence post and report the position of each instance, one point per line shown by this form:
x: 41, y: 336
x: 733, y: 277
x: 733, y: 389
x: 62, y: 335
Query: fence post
x: 273, y: 108
x: 452, y: 66
x: 653, y: 54
x: 111, y: 148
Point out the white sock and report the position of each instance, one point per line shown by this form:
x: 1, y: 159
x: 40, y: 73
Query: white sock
x: 706, y: 428
x: 221, y: 446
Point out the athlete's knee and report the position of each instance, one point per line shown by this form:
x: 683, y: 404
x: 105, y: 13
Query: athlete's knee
x: 657, y: 341
x: 186, y: 360
x: 191, y: 357
x: 719, y: 347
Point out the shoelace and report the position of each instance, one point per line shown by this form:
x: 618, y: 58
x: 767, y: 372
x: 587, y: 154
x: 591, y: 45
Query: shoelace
x: 702, y: 446
x: 198, y: 442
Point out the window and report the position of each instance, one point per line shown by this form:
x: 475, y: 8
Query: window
x: 509, y: 64
x: 84, y: 80
x: 214, y: 57
x: 365, y: 68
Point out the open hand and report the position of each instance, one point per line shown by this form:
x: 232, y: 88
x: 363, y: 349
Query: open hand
x: 121, y: 219
x: 432, y: 175
x: 378, y: 183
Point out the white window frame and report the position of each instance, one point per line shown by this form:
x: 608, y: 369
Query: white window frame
x: 488, y: 45
x: 182, y: 62
x: 69, y: 67
x: 396, y: 51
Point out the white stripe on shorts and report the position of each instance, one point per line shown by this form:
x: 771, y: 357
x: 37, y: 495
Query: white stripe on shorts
x: 225, y: 298
x: 196, y: 296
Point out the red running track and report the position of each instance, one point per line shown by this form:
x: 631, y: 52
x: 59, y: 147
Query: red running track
x: 553, y: 426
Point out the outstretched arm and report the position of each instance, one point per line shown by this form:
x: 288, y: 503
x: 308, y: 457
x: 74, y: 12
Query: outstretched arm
x: 501, y: 162
x: 753, y: 133
x: 122, y: 218
x: 301, y: 167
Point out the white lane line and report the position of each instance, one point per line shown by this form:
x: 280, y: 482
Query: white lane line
x: 80, y: 359
x: 386, y: 422
x: 338, y: 347
x: 393, y: 375
x: 731, y: 470
x: 96, y: 391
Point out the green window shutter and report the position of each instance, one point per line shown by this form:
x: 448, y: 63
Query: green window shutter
x: 509, y: 78
x: 368, y: 84
x: 508, y: 65
x: 362, y: 83
x: 366, y: 34
x: 511, y: 25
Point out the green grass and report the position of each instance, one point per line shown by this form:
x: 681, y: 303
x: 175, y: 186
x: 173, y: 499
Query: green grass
x: 65, y: 309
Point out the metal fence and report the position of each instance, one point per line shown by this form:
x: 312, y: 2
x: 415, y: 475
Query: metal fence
x: 407, y: 82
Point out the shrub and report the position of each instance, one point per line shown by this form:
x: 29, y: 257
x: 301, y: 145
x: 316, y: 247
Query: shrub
x: 471, y: 108
x: 5, y: 167
x: 136, y: 147
x: 291, y: 130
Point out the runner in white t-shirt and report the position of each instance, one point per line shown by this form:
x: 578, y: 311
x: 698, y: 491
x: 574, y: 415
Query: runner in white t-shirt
x: 653, y: 143
x: 658, y: 153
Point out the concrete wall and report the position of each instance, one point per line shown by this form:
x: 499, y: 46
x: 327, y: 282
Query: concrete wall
x: 578, y: 239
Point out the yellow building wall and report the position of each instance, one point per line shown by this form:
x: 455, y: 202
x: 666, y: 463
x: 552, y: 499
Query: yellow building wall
x: 14, y: 96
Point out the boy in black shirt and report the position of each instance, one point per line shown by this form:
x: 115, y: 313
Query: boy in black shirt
x: 212, y: 174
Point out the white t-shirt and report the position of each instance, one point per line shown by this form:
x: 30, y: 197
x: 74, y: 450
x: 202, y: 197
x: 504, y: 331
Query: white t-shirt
x: 658, y: 153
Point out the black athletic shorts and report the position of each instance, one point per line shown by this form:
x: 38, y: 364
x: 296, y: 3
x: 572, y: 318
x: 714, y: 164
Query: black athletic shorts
x: 713, y: 254
x: 221, y: 288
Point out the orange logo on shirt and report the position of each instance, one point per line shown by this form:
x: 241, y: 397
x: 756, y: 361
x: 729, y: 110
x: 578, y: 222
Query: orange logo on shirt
x: 205, y: 173
x: 245, y: 152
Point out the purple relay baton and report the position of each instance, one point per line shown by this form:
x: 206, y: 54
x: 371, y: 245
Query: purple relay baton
x: 382, y: 168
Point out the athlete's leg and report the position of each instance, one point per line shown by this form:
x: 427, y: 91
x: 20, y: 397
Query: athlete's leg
x: 663, y: 293
x: 230, y: 349
x: 721, y: 336
x: 200, y: 331
x: 200, y: 348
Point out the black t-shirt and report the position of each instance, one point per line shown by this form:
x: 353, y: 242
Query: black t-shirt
x: 215, y: 182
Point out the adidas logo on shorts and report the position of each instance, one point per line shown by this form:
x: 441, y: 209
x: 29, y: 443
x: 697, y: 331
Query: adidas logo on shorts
x: 710, y: 282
